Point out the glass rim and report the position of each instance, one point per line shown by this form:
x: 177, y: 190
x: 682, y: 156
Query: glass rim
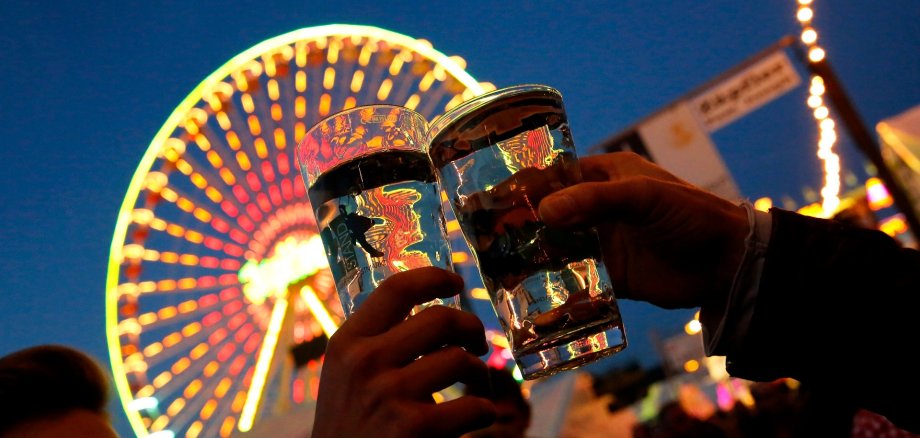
x: 458, y: 112
x: 357, y: 108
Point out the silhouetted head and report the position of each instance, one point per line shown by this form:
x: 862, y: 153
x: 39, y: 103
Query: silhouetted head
x: 50, y: 391
x: 512, y: 409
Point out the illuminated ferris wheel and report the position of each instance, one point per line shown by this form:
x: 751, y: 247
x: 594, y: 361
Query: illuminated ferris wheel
x: 218, y: 297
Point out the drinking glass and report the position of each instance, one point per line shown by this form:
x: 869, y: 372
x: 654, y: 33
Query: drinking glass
x: 497, y: 156
x: 375, y: 197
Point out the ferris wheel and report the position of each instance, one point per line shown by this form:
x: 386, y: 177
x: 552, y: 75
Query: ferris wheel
x: 218, y: 297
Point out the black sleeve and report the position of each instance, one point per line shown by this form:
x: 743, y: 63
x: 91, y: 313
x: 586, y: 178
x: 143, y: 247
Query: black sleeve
x: 837, y: 307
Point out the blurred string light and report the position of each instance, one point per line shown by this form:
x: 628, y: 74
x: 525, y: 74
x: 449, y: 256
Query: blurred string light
x: 826, y: 125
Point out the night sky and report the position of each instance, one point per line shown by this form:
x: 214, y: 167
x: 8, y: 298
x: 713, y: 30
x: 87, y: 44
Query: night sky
x: 86, y: 85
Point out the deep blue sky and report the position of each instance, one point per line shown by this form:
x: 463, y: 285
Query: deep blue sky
x: 85, y: 85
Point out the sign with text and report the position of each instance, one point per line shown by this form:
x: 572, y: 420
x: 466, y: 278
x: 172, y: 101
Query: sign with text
x: 674, y: 139
x: 745, y: 91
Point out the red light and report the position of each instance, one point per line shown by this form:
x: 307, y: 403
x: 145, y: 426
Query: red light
x: 208, y: 262
x: 246, y: 223
x: 236, y: 321
x: 286, y: 190
x: 263, y: 202
x: 232, y: 307
x: 267, y: 171
x: 297, y: 392
x: 227, y: 279
x: 218, y: 335
x: 238, y: 236
x: 284, y: 165
x: 213, y: 243
x: 252, y: 343
x: 237, y: 365
x: 240, y: 193
x: 275, y: 194
x: 229, y: 293
x: 254, y: 212
x: 254, y: 182
x: 230, y: 264
x: 299, y: 189
x: 211, y: 319
x: 226, y: 352
x: 207, y: 300
x: 229, y: 208
x: 233, y: 250
x: 207, y: 281
x: 220, y: 225
x: 243, y: 332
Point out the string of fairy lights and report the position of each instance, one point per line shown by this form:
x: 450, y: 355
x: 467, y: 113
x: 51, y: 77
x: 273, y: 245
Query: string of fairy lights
x: 826, y: 125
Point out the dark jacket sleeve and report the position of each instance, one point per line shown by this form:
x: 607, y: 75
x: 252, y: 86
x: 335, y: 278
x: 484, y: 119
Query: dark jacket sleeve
x: 837, y: 307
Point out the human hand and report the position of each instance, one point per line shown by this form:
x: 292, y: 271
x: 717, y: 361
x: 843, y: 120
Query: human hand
x: 381, y: 369
x: 665, y: 241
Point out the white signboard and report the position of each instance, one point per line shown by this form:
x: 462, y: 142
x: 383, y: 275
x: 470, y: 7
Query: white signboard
x: 675, y: 140
x: 745, y: 91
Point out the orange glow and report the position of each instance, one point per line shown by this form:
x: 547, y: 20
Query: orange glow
x: 208, y: 409
x: 299, y: 130
x: 357, y: 80
x: 172, y: 339
x: 261, y: 149
x: 227, y: 176
x: 243, y: 160
x: 426, y: 81
x: 238, y: 402
x: 175, y: 407
x: 763, y: 204
x: 480, y: 293
x: 233, y: 141
x: 185, y: 205
x: 350, y: 102
x: 214, y: 159
x: 300, y: 106
x: 280, y: 139
x: 332, y: 54
x: 273, y: 92
x: 325, y: 101
x: 162, y: 379
x: 198, y: 180
x: 223, y: 120
x: 691, y: 366
x: 693, y: 327
x: 254, y: 127
x: 180, y: 365
x: 396, y: 65
x: 202, y: 215
x: 194, y: 236
x: 413, y: 101
x: 248, y: 105
x: 167, y: 312
x: 221, y: 390
x: 300, y: 81
x: 894, y: 226
x: 202, y: 143
x: 160, y: 423
x: 145, y: 319
x: 193, y: 387
x: 277, y: 114
x: 385, y: 88
x: 329, y: 78
x: 153, y: 349
x: 459, y: 257
x: 226, y: 428
x: 198, y: 351
x: 191, y: 329
x: 194, y: 429
x: 210, y: 368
